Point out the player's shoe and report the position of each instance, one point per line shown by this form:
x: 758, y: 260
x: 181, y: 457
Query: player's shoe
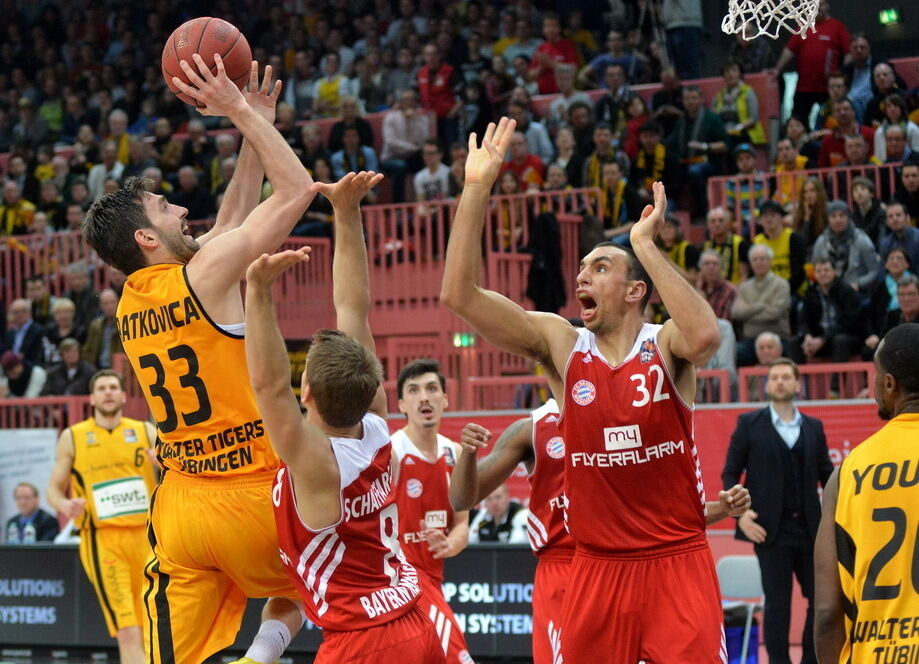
x: 246, y: 660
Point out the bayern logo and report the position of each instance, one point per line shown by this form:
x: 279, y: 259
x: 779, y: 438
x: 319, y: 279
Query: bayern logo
x: 555, y: 448
x: 414, y: 488
x: 583, y: 392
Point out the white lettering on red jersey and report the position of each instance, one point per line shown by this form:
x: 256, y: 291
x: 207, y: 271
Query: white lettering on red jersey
x: 546, y: 519
x: 423, y: 494
x: 632, y: 473
x: 351, y: 575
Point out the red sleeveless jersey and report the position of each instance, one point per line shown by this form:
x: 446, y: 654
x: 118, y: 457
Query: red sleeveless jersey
x: 546, y: 519
x: 632, y: 473
x: 423, y: 494
x: 351, y: 575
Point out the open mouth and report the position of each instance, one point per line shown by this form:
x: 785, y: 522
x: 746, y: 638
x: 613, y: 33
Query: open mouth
x: 427, y: 411
x: 186, y: 231
x: 588, y: 306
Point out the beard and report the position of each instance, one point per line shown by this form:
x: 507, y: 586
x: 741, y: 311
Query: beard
x: 108, y: 412
x: 781, y: 398
x: 180, y: 245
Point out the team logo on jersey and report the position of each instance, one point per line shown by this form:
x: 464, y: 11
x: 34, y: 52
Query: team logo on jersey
x: 130, y: 436
x: 646, y: 350
x: 587, y: 359
x: 448, y: 456
x: 414, y: 488
x: 409, y: 461
x: 583, y: 393
x: 551, y: 418
x: 555, y: 448
x: 91, y: 438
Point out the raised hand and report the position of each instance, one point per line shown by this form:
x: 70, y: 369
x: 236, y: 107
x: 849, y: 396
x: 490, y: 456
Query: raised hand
x: 218, y: 93
x: 348, y: 192
x: 483, y: 163
x: 474, y: 438
x: 265, y: 269
x: 652, y: 217
x: 262, y: 98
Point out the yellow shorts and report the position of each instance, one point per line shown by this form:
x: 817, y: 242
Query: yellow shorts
x: 114, y: 559
x: 214, y: 545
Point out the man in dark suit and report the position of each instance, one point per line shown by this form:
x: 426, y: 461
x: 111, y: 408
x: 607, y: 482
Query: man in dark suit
x: 32, y: 524
x: 24, y: 335
x: 784, y: 456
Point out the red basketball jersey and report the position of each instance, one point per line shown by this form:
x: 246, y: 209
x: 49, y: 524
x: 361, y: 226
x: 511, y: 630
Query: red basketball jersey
x: 546, y: 519
x: 423, y: 494
x: 351, y: 575
x: 632, y: 473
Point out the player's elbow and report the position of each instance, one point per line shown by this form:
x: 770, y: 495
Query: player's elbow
x: 703, y: 344
x: 456, y: 295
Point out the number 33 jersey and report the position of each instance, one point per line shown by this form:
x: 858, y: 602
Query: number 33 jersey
x: 194, y: 377
x: 632, y: 474
x: 351, y: 575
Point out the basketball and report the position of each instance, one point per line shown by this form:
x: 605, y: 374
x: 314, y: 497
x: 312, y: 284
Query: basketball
x: 206, y: 36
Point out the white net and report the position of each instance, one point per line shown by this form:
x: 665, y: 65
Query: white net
x: 769, y: 17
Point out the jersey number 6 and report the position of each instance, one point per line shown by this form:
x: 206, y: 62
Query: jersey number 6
x: 189, y: 379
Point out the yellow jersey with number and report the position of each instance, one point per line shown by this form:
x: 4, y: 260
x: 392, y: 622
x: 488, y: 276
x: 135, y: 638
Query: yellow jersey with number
x: 877, y: 543
x: 112, y: 472
x: 194, y: 376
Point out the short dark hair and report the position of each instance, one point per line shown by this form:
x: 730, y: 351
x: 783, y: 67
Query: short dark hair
x: 898, y: 355
x: 111, y: 222
x: 785, y: 362
x: 893, y: 202
x: 103, y: 373
x: 417, y: 368
x: 651, y: 128
x: 343, y: 376
x: 433, y: 142
x: 636, y: 271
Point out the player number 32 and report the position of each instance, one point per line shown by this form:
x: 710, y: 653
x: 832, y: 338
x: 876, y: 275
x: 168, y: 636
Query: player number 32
x: 641, y: 385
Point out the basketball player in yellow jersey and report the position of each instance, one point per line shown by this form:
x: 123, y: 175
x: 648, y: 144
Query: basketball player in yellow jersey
x: 104, y: 462
x: 867, y: 549
x: 180, y: 319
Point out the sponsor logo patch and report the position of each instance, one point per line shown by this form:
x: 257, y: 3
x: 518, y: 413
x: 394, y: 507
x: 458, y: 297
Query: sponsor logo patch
x: 448, y: 456
x: 555, y: 448
x: 622, y: 438
x: 435, y: 519
x: 414, y: 488
x: 583, y: 392
x: 646, y: 350
x: 130, y: 436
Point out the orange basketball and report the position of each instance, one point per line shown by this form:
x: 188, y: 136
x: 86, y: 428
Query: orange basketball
x: 206, y: 36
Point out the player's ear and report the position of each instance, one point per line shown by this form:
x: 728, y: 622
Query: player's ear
x: 446, y: 401
x: 636, y: 292
x: 402, y: 408
x: 305, y: 392
x: 146, y: 238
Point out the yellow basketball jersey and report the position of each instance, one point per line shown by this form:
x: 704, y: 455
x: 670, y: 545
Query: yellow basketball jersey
x: 877, y: 542
x: 194, y: 377
x: 112, y: 472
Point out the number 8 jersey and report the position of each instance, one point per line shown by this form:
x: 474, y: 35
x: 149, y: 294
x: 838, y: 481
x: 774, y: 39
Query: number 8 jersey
x: 632, y: 474
x: 193, y: 374
x: 351, y: 575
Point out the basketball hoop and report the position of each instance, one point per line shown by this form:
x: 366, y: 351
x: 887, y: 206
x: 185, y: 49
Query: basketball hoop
x: 768, y: 17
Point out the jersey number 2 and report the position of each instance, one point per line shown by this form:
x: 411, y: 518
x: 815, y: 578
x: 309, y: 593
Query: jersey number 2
x: 641, y: 385
x: 189, y: 379
x: 873, y: 591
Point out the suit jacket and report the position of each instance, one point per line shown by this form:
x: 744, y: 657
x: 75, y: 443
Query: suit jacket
x: 33, y: 345
x: 849, y: 316
x: 756, y: 449
x: 93, y: 346
x: 46, y: 526
x: 58, y: 384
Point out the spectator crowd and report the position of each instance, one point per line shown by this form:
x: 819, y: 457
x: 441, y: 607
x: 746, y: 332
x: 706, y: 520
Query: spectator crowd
x: 398, y: 86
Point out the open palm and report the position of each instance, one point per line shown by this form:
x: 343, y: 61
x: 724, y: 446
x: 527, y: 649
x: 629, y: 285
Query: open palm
x: 262, y: 98
x: 652, y: 218
x: 483, y: 163
x: 348, y: 192
x: 265, y: 269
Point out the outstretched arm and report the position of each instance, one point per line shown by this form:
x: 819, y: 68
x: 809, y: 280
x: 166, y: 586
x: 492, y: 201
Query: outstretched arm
x: 513, y: 446
x: 829, y: 602
x: 692, y: 333
x: 245, y: 187
x: 223, y: 261
x: 350, y: 273
x: 494, y: 316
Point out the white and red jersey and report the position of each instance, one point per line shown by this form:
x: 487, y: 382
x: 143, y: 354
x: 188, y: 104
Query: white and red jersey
x: 632, y: 473
x: 351, y: 575
x: 423, y: 494
x: 546, y: 519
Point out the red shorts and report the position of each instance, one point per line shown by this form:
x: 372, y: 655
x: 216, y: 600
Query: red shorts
x: 664, y: 610
x: 434, y: 606
x: 548, y: 596
x: 406, y: 640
